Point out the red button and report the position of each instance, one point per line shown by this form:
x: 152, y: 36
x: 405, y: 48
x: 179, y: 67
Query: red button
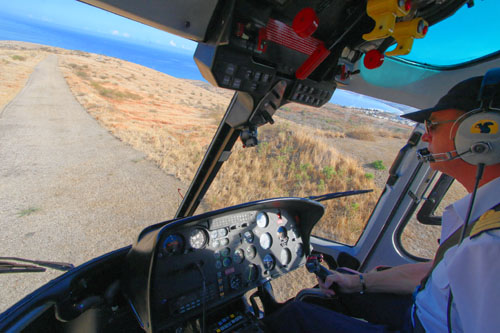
x: 305, y: 22
x: 373, y: 59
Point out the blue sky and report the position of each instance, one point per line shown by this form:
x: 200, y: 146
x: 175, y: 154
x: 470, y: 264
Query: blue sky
x: 85, y: 18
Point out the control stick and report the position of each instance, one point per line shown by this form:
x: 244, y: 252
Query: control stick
x: 313, y: 265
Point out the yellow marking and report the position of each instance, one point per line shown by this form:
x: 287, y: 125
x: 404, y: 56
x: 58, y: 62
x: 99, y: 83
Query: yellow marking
x: 484, y: 126
x: 488, y: 221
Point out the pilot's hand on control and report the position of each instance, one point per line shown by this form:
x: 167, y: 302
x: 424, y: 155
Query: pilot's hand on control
x: 347, y: 283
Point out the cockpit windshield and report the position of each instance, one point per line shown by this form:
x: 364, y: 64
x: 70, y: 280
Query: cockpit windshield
x: 477, y: 28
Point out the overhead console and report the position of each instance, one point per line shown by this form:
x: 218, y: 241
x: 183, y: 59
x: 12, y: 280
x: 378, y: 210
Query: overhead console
x: 178, y: 270
x: 307, y: 46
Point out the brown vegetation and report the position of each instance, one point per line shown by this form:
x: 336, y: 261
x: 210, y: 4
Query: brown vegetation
x: 16, y: 66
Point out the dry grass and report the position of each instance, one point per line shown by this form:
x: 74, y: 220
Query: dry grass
x: 290, y: 162
x: 16, y: 65
x: 365, y: 133
x: 174, y: 120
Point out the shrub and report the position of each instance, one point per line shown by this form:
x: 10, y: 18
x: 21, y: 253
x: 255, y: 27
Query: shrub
x: 378, y: 165
x: 369, y: 175
x: 18, y: 57
x: 328, y: 171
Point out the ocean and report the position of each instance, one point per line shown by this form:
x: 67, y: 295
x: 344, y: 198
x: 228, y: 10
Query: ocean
x: 168, y: 61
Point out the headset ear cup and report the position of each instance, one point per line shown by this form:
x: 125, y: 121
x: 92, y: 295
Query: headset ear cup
x: 478, y: 138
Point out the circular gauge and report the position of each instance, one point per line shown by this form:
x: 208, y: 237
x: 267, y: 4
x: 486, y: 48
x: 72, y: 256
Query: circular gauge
x: 251, y: 252
x: 248, y: 235
x: 299, y: 250
x: 235, y: 282
x: 269, y: 262
x: 224, y: 241
x: 215, y: 244
x: 282, y: 234
x: 226, y: 262
x: 265, y: 241
x: 198, y: 238
x: 285, y: 256
x: 173, y: 244
x: 262, y: 220
x: 251, y: 273
x: 225, y: 252
x: 222, y: 232
x: 238, y: 256
x: 213, y: 234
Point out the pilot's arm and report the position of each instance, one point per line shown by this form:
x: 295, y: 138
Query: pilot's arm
x: 397, y: 280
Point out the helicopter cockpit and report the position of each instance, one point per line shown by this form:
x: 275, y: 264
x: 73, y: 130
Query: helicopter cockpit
x: 192, y: 273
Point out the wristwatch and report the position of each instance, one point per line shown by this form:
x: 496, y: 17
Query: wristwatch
x: 363, y: 284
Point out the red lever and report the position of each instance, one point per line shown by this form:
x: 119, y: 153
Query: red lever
x: 312, y: 62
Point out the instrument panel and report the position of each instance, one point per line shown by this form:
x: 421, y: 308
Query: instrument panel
x: 222, y: 257
x: 180, y: 270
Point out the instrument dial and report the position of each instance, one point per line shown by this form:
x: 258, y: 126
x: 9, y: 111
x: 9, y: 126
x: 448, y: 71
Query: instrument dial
x: 222, y: 232
x: 235, y: 282
x: 265, y: 241
x: 299, y: 250
x: 238, y: 256
x: 251, y: 252
x: 269, y: 262
x: 198, y: 238
x: 282, y: 233
x: 248, y: 235
x: 262, y: 219
x: 173, y: 244
x: 285, y: 257
x: 251, y: 273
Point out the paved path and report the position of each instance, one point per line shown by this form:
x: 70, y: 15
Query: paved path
x: 69, y: 190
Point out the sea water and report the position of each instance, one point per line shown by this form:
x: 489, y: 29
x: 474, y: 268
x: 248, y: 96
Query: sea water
x: 163, y: 59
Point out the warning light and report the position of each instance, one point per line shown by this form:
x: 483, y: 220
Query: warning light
x: 373, y: 59
x: 305, y: 22
x: 407, y: 5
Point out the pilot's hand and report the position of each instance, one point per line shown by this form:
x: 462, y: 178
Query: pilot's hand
x: 347, y: 283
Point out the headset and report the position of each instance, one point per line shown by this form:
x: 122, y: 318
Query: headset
x: 477, y: 140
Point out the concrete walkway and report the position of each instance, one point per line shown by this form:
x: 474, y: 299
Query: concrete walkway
x: 69, y: 190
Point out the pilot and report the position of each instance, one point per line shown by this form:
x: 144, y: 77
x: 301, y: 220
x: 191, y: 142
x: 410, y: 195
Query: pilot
x: 458, y: 291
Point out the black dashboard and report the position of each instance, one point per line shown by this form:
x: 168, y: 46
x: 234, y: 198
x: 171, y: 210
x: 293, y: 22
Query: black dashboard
x: 181, y: 269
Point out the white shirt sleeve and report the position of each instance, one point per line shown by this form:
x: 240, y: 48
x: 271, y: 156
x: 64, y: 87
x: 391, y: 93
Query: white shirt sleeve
x: 474, y: 277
